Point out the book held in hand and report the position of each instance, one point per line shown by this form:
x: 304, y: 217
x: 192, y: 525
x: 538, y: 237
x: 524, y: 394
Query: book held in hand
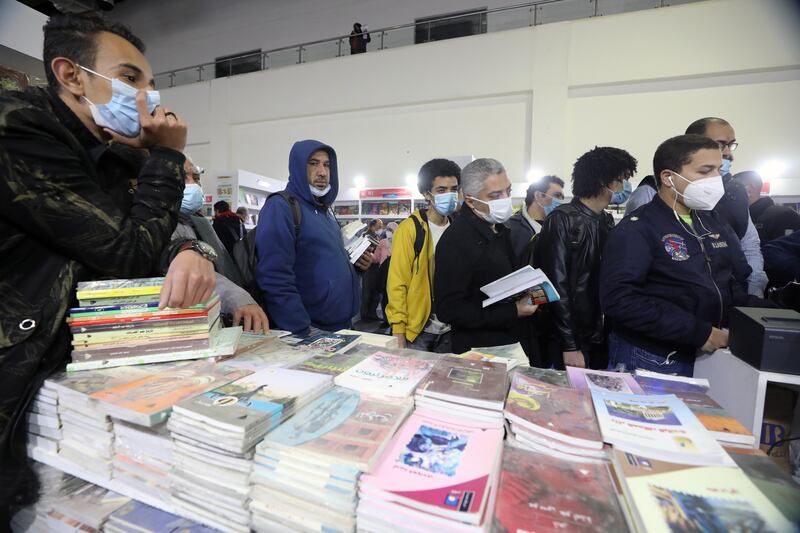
x: 526, y: 279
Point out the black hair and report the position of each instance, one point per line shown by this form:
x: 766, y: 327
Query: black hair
x: 75, y: 37
x: 222, y: 206
x: 599, y: 168
x: 541, y: 185
x: 673, y: 153
x: 750, y: 177
x: 699, y: 126
x: 436, y: 168
x: 373, y: 222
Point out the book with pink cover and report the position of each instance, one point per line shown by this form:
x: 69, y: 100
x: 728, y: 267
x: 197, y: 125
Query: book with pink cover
x: 438, y: 465
x: 563, y: 414
x: 601, y: 380
x: 389, y: 375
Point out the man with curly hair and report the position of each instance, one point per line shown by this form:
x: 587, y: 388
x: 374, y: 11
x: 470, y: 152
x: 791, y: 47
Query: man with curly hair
x: 569, y: 250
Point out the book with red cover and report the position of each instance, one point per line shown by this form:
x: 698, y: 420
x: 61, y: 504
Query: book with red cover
x: 544, y: 494
x: 477, y: 383
x: 563, y: 414
x: 438, y: 465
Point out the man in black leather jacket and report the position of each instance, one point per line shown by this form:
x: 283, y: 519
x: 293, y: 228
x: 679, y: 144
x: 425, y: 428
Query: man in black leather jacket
x: 569, y: 252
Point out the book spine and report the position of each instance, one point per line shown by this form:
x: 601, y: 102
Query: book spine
x: 113, y: 293
x: 134, y: 319
x: 97, y: 328
x: 107, y: 336
x: 104, y: 308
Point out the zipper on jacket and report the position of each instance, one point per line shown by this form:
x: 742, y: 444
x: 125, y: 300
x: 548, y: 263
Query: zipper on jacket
x: 710, y: 273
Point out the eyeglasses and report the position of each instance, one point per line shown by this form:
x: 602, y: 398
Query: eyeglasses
x: 732, y: 145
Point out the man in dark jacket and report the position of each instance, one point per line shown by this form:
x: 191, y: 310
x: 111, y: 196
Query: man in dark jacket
x: 474, y: 251
x: 305, y: 274
x: 73, y: 207
x: 672, y: 269
x: 771, y: 221
x: 541, y: 199
x: 359, y: 38
x: 569, y: 250
x: 227, y: 224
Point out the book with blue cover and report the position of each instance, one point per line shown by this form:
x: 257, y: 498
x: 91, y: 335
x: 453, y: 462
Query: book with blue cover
x: 137, y: 517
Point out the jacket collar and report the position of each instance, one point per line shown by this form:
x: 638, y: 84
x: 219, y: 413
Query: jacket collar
x: 75, y: 126
x: 760, y: 205
x: 481, y: 226
x: 581, y: 207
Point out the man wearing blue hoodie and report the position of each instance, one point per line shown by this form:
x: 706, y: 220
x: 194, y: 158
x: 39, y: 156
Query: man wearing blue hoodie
x: 305, y: 273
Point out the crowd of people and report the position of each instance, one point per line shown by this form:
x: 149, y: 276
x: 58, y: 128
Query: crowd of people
x: 94, y: 184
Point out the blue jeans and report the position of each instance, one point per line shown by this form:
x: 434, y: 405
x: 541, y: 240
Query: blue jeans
x: 625, y: 357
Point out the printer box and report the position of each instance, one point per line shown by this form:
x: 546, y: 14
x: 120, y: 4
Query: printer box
x: 767, y: 339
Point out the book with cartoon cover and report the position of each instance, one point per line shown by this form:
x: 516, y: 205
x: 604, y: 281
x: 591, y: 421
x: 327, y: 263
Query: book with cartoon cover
x: 559, y: 413
x: 538, y: 492
x: 438, y: 465
x: 390, y: 375
x: 340, y: 427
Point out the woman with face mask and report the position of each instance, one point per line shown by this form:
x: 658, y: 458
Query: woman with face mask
x: 474, y: 251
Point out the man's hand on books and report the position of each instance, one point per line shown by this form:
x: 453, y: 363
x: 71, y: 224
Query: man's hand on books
x: 525, y: 306
x: 575, y: 359
x: 718, y: 339
x: 190, y: 280
x: 162, y: 128
x: 252, y: 318
x: 366, y: 260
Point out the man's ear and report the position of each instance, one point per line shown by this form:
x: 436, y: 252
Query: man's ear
x: 68, y: 75
x: 664, y: 178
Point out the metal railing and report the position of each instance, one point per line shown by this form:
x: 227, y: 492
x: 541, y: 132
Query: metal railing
x: 496, y: 19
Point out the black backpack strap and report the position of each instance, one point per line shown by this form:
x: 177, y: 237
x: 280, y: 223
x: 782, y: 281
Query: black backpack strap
x: 419, y: 236
x: 294, y: 205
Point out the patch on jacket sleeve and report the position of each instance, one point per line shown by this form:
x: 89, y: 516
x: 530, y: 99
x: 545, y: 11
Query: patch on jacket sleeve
x: 675, y: 247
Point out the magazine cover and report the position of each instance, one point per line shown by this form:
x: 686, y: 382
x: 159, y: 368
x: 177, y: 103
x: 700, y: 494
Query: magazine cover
x: 342, y: 427
x: 541, y: 493
x: 656, y: 426
x: 677, y: 498
x: 559, y: 413
x: 393, y: 375
x: 600, y: 380
x: 439, y: 465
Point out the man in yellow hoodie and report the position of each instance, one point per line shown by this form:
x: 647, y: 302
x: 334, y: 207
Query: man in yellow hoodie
x: 410, y: 282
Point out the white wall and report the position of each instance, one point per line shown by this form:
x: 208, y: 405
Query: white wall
x: 21, y: 28
x: 533, y: 97
x: 181, y: 33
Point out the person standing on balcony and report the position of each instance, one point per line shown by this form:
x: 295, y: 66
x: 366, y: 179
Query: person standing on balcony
x: 359, y: 39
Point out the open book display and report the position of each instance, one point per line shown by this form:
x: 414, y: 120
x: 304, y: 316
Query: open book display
x: 526, y: 279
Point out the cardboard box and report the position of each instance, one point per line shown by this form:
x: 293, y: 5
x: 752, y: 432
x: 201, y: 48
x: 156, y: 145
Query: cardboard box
x: 778, y: 408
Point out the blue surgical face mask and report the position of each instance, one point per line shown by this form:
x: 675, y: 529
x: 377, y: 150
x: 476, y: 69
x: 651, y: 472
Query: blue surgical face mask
x: 620, y: 197
x: 445, y: 203
x: 319, y: 193
x: 725, y: 169
x: 120, y: 114
x: 192, y: 199
x: 554, y: 202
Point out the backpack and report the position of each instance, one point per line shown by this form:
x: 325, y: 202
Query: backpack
x: 244, y: 251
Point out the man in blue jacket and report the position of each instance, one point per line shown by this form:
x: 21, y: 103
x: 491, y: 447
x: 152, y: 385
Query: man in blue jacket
x: 305, y: 273
x: 672, y: 270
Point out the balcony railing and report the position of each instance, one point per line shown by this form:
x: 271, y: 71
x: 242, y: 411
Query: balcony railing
x: 491, y: 20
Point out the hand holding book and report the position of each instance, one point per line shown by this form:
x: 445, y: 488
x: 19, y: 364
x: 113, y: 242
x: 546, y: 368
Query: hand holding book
x: 525, y: 305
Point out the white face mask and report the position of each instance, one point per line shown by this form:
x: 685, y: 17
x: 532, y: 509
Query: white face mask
x: 320, y: 193
x: 702, y: 194
x: 500, y: 210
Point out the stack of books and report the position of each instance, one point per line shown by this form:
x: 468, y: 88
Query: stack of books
x: 385, y: 375
x: 119, y: 323
x: 373, y: 339
x: 357, y: 240
x: 136, y: 517
x: 437, y: 474
x: 44, y: 423
x: 473, y: 390
x: 666, y: 497
x: 511, y: 354
x: 540, y: 492
x: 86, y: 509
x: 143, y: 458
x: 694, y: 393
x: 551, y: 419
x: 215, y: 434
x: 526, y: 280
x: 306, y: 471
x: 656, y: 426
x: 603, y: 381
x: 88, y: 431
x: 148, y: 400
x: 271, y: 354
x: 54, y: 485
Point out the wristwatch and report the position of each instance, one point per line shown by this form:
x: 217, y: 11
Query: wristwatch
x: 205, y: 250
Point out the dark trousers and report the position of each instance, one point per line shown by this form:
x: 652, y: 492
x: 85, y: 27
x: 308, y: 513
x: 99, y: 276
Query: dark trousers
x: 370, y: 293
